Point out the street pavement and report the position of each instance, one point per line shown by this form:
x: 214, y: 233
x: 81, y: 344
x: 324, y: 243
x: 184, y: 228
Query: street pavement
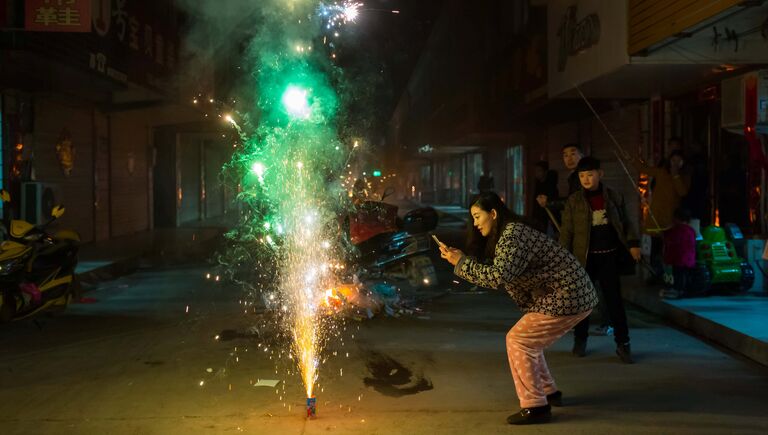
x: 140, y: 357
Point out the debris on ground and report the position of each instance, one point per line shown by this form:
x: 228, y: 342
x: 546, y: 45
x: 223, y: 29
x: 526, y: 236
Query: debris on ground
x: 272, y: 383
x: 360, y: 300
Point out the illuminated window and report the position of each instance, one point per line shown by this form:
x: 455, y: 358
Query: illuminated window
x: 516, y: 179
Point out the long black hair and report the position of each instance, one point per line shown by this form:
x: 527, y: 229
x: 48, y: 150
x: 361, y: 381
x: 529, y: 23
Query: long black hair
x: 485, y: 247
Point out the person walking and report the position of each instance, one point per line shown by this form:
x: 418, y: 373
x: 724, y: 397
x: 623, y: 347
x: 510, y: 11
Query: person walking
x: 547, y: 283
x: 596, y: 229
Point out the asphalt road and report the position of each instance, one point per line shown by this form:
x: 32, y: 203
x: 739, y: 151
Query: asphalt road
x: 141, y: 358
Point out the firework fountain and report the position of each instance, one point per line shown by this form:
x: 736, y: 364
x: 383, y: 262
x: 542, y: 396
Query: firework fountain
x: 287, y: 171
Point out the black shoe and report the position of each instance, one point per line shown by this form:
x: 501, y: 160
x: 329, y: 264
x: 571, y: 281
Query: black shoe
x: 579, y: 348
x: 555, y: 399
x: 539, y: 414
x: 625, y: 353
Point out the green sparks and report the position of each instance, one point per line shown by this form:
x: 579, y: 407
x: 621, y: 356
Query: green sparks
x: 286, y: 174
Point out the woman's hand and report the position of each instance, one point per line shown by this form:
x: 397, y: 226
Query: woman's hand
x: 635, y: 253
x: 452, y: 255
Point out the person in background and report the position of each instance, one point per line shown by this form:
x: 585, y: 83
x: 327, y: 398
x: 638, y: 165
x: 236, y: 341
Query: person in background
x: 675, y: 143
x: 595, y: 228
x: 572, y: 153
x: 546, y: 185
x: 733, y: 197
x: 485, y: 183
x: 670, y: 184
x: 547, y: 283
x: 680, y: 254
x: 697, y: 199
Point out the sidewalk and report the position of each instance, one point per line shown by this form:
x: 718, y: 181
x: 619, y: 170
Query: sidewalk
x: 108, y: 259
x: 734, y: 322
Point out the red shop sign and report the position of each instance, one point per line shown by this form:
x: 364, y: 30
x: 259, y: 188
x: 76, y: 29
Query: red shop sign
x: 57, y: 15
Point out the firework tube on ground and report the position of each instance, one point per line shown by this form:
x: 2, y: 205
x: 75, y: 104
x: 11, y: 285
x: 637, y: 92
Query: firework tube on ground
x: 311, y: 407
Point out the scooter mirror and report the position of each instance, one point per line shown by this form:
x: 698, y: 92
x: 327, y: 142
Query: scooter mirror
x: 58, y: 211
x: 5, y: 196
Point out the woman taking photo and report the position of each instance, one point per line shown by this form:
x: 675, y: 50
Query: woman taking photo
x: 545, y: 281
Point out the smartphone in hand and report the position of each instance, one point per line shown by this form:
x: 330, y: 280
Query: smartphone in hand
x: 439, y: 243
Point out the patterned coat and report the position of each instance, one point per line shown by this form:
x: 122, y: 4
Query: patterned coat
x: 539, y: 274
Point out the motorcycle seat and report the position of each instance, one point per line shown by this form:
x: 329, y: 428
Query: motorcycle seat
x: 10, y: 249
x: 20, y: 228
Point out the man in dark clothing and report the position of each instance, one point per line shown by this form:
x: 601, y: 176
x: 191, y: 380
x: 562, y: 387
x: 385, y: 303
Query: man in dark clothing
x: 572, y: 153
x: 546, y: 184
x: 595, y: 229
x: 485, y: 183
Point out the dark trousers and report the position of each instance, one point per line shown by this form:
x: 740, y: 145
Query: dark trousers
x: 681, y: 279
x: 603, y: 269
x: 656, y: 260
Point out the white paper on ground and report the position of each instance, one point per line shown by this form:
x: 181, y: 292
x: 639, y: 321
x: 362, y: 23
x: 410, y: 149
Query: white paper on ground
x: 266, y: 383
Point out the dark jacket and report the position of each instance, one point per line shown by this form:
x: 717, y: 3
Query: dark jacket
x: 538, y: 274
x: 574, y: 185
x: 546, y: 187
x: 577, y: 223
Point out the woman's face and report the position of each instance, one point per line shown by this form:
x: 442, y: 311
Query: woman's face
x: 483, y: 220
x: 676, y: 161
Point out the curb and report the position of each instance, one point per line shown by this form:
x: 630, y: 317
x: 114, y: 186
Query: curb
x: 736, y: 341
x: 108, y: 272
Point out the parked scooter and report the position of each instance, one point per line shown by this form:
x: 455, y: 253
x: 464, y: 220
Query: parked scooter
x: 391, y: 248
x: 37, y: 268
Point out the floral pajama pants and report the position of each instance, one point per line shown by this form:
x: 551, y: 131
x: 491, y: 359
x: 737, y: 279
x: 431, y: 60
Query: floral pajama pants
x: 526, y: 342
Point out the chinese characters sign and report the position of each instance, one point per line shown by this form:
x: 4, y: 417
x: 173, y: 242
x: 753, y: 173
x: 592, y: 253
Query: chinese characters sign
x: 58, y: 15
x: 137, y: 41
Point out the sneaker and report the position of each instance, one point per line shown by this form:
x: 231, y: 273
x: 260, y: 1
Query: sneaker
x: 537, y: 415
x: 579, y: 348
x: 555, y: 399
x: 669, y: 293
x: 625, y: 353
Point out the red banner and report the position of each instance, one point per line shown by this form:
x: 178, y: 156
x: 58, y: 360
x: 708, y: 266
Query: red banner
x: 57, y: 15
